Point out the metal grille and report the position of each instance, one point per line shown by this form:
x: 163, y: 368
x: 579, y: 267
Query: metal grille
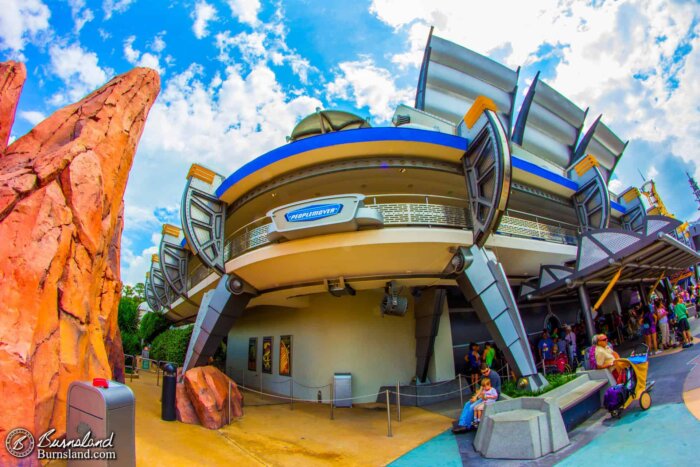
x: 419, y: 214
x: 422, y: 214
x: 247, y: 240
x: 537, y: 230
x: 200, y: 273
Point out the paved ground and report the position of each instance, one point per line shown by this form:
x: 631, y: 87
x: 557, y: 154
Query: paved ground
x: 667, y: 434
x: 272, y: 434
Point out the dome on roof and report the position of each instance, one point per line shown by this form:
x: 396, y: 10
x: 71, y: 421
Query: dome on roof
x: 327, y: 121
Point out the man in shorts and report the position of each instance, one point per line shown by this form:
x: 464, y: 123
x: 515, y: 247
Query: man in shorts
x: 682, y: 320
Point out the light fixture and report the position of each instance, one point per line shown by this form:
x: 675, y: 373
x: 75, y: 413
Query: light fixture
x: 392, y: 302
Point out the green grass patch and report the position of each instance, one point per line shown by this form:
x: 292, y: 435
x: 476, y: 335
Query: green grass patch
x: 510, y: 388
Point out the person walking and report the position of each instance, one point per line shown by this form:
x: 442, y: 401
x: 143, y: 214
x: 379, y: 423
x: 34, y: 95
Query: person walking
x: 648, y: 322
x: 662, y: 315
x: 682, y: 318
x: 570, y: 339
x: 473, y: 359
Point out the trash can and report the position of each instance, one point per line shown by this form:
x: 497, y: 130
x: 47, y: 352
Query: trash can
x: 106, y: 410
x: 342, y: 389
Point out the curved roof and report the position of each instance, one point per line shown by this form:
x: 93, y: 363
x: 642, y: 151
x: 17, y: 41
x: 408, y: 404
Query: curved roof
x: 326, y: 121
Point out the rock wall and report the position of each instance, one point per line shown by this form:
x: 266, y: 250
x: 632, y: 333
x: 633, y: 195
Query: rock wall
x: 61, y: 218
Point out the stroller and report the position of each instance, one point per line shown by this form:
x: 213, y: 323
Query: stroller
x: 635, y: 368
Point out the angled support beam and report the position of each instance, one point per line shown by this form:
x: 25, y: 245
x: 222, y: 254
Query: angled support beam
x: 485, y: 285
x: 607, y: 290
x: 592, y: 200
x: 203, y: 216
x: 219, y: 310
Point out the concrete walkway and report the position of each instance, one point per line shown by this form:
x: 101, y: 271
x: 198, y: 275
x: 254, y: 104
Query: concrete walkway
x: 276, y: 435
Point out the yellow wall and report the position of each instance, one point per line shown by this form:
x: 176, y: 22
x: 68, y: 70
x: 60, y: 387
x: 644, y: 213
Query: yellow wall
x: 346, y: 334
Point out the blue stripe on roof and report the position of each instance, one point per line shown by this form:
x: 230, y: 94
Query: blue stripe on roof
x: 340, y: 137
x: 617, y: 207
x: 543, y: 173
x: 183, y: 242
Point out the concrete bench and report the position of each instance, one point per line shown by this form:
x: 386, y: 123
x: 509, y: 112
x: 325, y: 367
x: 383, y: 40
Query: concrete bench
x: 531, y: 427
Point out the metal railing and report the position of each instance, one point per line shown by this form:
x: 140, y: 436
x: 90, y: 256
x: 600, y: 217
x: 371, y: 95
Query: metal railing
x: 402, y: 210
x: 525, y: 225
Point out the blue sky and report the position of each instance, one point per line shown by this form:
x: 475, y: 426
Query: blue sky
x: 238, y: 74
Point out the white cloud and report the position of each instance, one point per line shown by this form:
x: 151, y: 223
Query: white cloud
x: 32, y: 116
x: 81, y: 15
x: 158, y: 44
x: 221, y: 123
x: 652, y: 172
x: 203, y: 14
x: 78, y: 69
x: 115, y: 6
x: 145, y: 59
x: 369, y: 85
x: 21, y: 21
x: 245, y: 10
x: 616, y: 186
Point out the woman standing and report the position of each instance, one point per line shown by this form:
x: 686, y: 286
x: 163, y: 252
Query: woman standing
x: 570, y: 339
x: 662, y: 314
x: 648, y: 322
x: 473, y: 359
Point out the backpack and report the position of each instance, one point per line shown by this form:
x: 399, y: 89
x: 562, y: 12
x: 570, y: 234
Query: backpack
x: 615, y: 397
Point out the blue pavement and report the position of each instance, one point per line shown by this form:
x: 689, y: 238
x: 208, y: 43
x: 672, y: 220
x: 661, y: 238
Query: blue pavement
x: 441, y: 451
x: 663, y: 435
x: 666, y: 434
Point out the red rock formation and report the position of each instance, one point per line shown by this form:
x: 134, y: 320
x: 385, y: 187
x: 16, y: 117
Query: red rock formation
x: 61, y: 205
x: 207, y: 388
x: 12, y: 76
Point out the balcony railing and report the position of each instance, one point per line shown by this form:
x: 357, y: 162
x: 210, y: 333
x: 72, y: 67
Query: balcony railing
x: 525, y: 225
x: 400, y: 210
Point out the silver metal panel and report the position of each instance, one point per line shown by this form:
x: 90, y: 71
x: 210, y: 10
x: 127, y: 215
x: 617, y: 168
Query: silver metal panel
x: 487, y: 171
x: 484, y: 283
x: 151, y: 298
x: 453, y: 76
x: 203, y: 216
x: 160, y: 287
x: 173, y: 261
x: 592, y: 201
x: 218, y: 311
x: 548, y: 124
x: 603, y: 144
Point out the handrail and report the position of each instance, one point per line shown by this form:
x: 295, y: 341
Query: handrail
x: 536, y: 216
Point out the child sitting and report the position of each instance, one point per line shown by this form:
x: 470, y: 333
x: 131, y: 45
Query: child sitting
x: 488, y: 395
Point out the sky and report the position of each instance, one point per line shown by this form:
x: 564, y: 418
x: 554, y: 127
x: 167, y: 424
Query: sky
x: 236, y: 75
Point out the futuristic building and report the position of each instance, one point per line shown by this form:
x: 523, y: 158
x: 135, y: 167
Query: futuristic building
x: 384, y: 251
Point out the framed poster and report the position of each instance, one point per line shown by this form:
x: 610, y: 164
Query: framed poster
x: 267, y: 355
x: 285, y: 355
x: 253, y: 354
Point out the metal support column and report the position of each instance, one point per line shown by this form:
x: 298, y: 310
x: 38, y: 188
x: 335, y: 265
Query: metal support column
x: 587, y: 311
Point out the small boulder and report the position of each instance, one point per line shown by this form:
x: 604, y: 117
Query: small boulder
x: 207, y: 388
x: 184, y: 410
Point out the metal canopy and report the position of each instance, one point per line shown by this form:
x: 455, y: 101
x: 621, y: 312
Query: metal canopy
x: 601, y: 254
x: 452, y: 77
x: 548, y: 124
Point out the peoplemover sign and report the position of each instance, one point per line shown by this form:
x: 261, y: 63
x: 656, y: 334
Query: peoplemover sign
x: 314, y: 212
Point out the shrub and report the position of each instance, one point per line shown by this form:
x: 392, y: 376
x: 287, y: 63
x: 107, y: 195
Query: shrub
x: 131, y: 343
x: 510, y: 388
x: 128, y: 315
x: 171, y: 345
x: 151, y: 325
